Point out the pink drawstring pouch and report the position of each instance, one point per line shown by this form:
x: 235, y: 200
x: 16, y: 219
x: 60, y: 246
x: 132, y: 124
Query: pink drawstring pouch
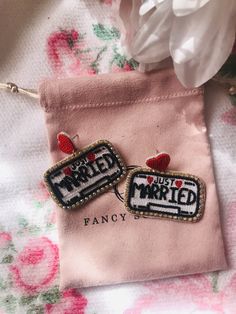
x: 138, y: 113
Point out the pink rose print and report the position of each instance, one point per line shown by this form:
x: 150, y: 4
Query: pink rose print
x: 60, y: 41
x: 42, y: 194
x: 230, y: 234
x: 52, y: 217
x: 190, y: 292
x: 230, y: 294
x: 64, y: 49
x: 126, y: 68
x: 71, y: 302
x: 36, y: 266
x: 5, y: 239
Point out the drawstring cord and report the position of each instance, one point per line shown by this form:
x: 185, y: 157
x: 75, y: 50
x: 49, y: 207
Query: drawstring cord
x: 230, y: 86
x: 19, y: 90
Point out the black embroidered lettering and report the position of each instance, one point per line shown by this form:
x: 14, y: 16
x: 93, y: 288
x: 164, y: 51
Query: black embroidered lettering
x: 182, y: 195
x: 73, y: 166
x: 163, y: 192
x: 192, y: 197
x: 100, y: 164
x: 155, y: 190
x: 84, y: 176
x: 147, y: 192
x: 173, y: 195
x: 110, y: 160
x: 67, y: 183
x: 186, y: 197
x: 93, y: 169
x: 135, y: 187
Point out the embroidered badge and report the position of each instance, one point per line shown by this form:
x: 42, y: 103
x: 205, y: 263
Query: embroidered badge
x: 169, y: 195
x: 85, y: 174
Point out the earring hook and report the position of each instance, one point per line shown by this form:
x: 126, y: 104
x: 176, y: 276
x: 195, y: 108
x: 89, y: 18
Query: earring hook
x: 19, y: 90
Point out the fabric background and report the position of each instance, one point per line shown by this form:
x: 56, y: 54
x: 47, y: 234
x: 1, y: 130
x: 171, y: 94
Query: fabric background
x: 45, y: 39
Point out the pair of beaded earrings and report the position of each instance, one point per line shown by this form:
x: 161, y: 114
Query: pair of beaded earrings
x: 149, y: 192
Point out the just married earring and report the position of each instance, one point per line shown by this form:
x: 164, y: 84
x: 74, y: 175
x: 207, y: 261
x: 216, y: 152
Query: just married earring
x: 150, y: 192
x: 85, y: 174
x: 156, y: 193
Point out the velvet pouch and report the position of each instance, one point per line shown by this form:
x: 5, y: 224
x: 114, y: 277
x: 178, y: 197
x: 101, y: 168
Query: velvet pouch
x: 101, y: 242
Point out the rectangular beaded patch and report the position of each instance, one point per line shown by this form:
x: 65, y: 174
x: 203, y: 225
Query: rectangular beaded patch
x: 85, y: 174
x: 171, y: 195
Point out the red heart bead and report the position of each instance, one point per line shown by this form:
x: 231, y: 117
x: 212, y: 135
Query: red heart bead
x: 159, y: 162
x: 65, y: 143
x: 178, y: 183
x: 67, y: 171
x: 91, y: 156
x: 149, y: 179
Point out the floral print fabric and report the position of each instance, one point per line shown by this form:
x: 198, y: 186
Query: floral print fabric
x: 71, y: 40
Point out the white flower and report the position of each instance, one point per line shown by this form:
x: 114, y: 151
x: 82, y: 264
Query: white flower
x: 197, y: 34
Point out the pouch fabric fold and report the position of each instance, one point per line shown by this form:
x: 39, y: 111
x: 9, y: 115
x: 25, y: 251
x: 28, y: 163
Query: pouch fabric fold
x: 139, y: 113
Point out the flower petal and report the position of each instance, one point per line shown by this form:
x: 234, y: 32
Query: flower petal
x: 189, y: 35
x: 200, y: 43
x: 151, y: 42
x: 126, y: 14
x: 148, y: 5
x: 185, y: 7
